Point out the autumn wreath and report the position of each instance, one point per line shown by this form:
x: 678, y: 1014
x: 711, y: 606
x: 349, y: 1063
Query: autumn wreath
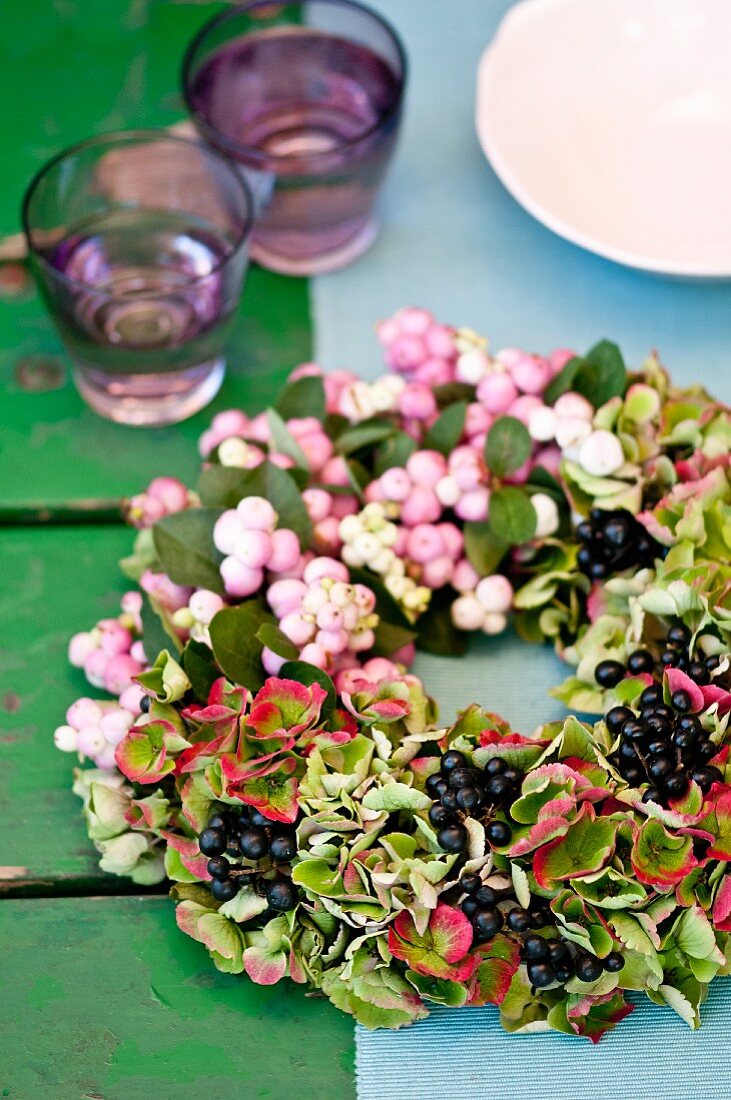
x: 268, y: 751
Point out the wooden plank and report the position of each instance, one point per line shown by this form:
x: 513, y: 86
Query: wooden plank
x: 109, y: 1001
x: 72, y: 70
x: 55, y: 582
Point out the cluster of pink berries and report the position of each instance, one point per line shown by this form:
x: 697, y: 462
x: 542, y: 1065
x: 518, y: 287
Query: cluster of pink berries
x: 417, y: 347
x: 94, y: 727
x: 326, y: 510
x: 253, y: 544
x: 329, y: 619
x: 246, y: 442
x: 111, y: 654
x: 162, y: 497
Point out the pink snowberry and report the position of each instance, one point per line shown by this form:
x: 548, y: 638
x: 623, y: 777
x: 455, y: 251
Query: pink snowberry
x: 421, y: 506
x: 240, y: 580
x: 426, y: 467
x: 257, y: 514
x: 497, y: 392
x: 417, y: 402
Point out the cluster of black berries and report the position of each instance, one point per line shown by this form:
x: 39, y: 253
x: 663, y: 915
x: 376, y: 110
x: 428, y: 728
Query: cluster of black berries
x: 557, y: 960
x: 675, y: 654
x: 461, y: 790
x: 548, y: 960
x: 613, y: 540
x: 664, y: 745
x: 249, y: 835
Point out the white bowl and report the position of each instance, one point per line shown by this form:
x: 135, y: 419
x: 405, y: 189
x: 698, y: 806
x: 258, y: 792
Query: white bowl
x: 610, y: 121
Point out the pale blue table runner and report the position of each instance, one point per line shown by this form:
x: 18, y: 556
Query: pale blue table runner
x: 455, y: 241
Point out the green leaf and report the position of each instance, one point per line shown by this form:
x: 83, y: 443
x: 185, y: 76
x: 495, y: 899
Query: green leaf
x: 395, y: 451
x: 542, y: 482
x: 390, y: 638
x: 602, y: 374
x: 563, y: 382
x: 437, y: 632
x: 221, y: 486
x: 303, y: 397
x: 200, y: 668
x: 276, y: 640
x: 283, y: 441
x: 483, y: 548
x: 363, y: 435
x: 453, y: 391
x: 512, y: 516
x: 396, y: 796
x: 158, y: 632
x: 508, y: 446
x: 165, y: 678
x: 308, y: 674
x: 235, y: 644
x: 319, y: 878
x: 185, y: 550
x: 446, y: 431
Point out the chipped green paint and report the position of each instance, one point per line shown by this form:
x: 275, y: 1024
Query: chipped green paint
x: 121, y: 1017
x: 57, y: 581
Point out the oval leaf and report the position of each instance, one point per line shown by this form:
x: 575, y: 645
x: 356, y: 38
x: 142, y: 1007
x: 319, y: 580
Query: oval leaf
x: 512, y: 516
x: 508, y: 446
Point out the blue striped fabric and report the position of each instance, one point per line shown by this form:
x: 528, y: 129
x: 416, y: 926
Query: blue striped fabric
x: 462, y: 1053
x: 454, y: 241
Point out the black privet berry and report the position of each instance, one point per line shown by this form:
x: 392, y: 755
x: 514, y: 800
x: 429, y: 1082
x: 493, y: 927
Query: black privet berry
x: 495, y: 766
x: 461, y: 777
x: 541, y: 974
x: 518, y: 920
x: 498, y: 788
x: 706, y: 777
x: 452, y: 838
x: 659, y: 768
x: 689, y: 722
x: 658, y: 748
x: 283, y: 847
x: 614, y: 962
x: 512, y: 775
x: 627, y: 751
x: 633, y: 775
x: 564, y: 970
x: 257, y: 818
x: 651, y: 695
x: 218, y: 867
x: 535, y: 948
x: 469, y: 907
x: 470, y: 883
x: 254, y: 844
x: 435, y: 786
x: 498, y: 834
x: 684, y: 739
x: 678, y: 634
x: 705, y: 750
x: 652, y: 794
x: 440, y: 816
x: 486, y: 923
x: 634, y: 730
x: 453, y: 759
x: 675, y: 785
x: 224, y: 889
x: 699, y: 673
x: 216, y: 821
x: 681, y: 701
x: 281, y: 895
x: 469, y: 799
x: 145, y: 703
x: 233, y: 848
x: 640, y: 661
x: 609, y: 673
x: 449, y: 800
x: 616, y: 717
x: 485, y: 897
x: 212, y: 841
x: 557, y: 950
x: 588, y: 968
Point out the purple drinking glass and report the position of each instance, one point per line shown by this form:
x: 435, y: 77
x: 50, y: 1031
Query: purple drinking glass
x: 306, y: 97
x: 139, y: 242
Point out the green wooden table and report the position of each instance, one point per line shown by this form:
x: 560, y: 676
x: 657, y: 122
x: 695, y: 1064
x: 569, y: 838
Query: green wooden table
x: 103, y: 997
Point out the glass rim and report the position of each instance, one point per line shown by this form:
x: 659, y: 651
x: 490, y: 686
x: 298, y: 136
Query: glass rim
x: 252, y: 153
x: 119, y: 137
